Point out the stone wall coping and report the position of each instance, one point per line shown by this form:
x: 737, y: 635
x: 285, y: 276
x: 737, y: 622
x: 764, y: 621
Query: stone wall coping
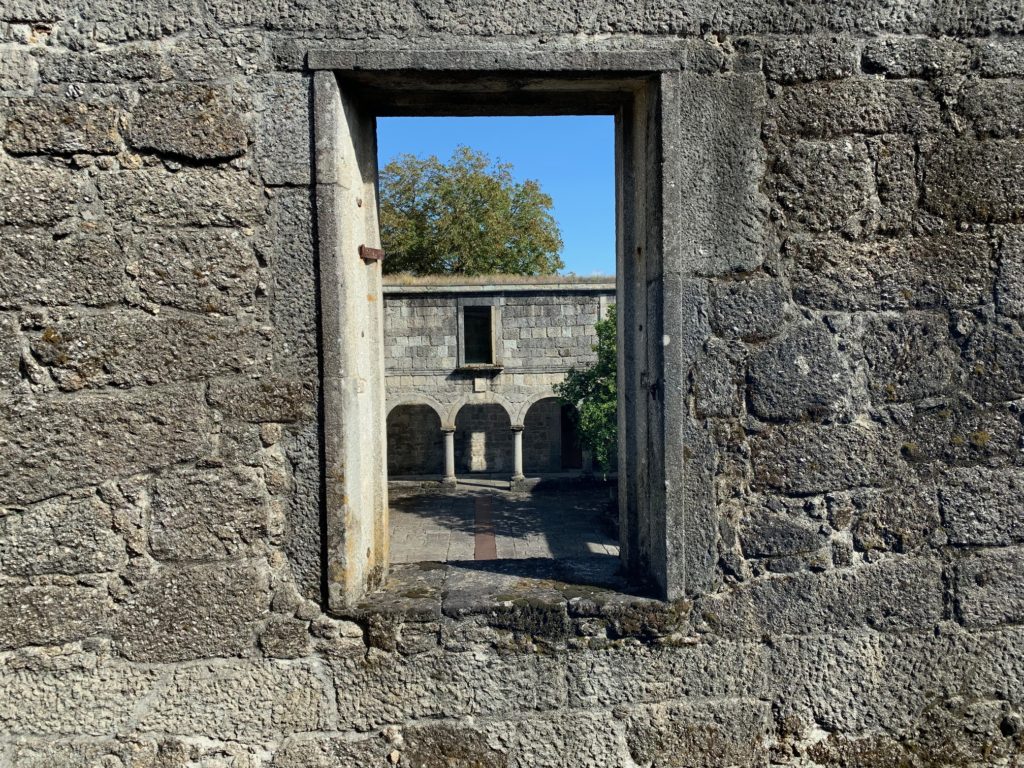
x: 568, y: 286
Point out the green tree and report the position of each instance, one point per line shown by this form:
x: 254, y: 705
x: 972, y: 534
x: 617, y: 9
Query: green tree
x: 467, y: 216
x: 594, y: 392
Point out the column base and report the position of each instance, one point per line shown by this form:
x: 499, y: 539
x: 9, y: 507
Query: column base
x: 518, y: 482
x: 449, y: 482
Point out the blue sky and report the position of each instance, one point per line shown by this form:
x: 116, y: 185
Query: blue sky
x: 573, y: 158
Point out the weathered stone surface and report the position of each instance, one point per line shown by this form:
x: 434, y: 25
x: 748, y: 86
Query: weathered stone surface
x: 1000, y: 57
x: 211, y: 271
x: 915, y: 57
x: 207, y: 514
x: 36, y: 193
x: 910, y: 356
x: 799, y: 374
x: 814, y: 458
x: 34, y: 696
x: 10, y: 355
x: 243, y: 701
x: 797, y: 59
x: 382, y: 688
x: 990, y: 587
x: 51, y: 615
x: 263, y: 400
x: 81, y: 269
x: 193, y: 612
x: 125, y: 62
x: 904, y: 273
x: 994, y: 359
x: 981, y: 506
x: 284, y: 149
x: 723, y: 216
x: 896, y: 180
x: 825, y: 186
x: 197, y: 122
x: 286, y: 639
x: 995, y: 107
x: 190, y: 197
x: 717, y: 379
x: 961, y: 433
x: 50, y: 446
x: 59, y: 126
x: 856, y: 105
x: 76, y: 753
x: 706, y: 734
x: 19, y: 71
x: 975, y: 181
x: 1010, y: 280
x: 134, y: 348
x: 779, y: 527
x: 893, y: 595
x: 62, y: 535
x: 902, y: 518
x: 752, y: 310
x: 324, y: 751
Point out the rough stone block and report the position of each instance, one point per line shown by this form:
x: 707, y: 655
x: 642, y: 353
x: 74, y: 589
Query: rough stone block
x: 207, y: 514
x: 961, y: 433
x: 264, y: 400
x: 856, y: 105
x: 190, y: 197
x: 134, y: 348
x: 81, y: 269
x: 915, y: 57
x: 123, y: 63
x: 752, y: 310
x: 896, y: 178
x: 187, y: 120
x: 383, y: 688
x: 990, y: 587
x: 902, y: 518
x: 61, y: 535
x: 816, y: 458
x: 892, y: 595
x: 975, y: 181
x: 328, y: 751
x: 910, y: 356
x: 950, y: 270
x: 194, y: 612
x: 77, y: 753
x: 243, y: 701
x: 36, y: 193
x: 19, y: 71
x: 724, y: 212
x: 1010, y: 280
x: 286, y: 639
x: 779, y: 527
x: 981, y: 506
x: 797, y: 59
x: 717, y: 378
x: 826, y: 186
x: 48, y: 447
x: 51, y: 615
x: 799, y: 374
x: 10, y: 355
x: 995, y: 107
x: 709, y: 734
x: 212, y: 271
x: 1000, y: 57
x: 34, y: 698
x: 994, y: 359
x: 57, y: 126
x: 284, y: 150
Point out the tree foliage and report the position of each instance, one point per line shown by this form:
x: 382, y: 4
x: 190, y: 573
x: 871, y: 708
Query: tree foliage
x: 594, y: 392
x: 467, y: 216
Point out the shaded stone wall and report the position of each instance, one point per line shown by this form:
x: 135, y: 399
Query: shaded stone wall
x: 415, y: 444
x: 853, y: 403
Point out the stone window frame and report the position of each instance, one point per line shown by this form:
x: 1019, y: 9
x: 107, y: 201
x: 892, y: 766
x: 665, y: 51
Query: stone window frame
x: 666, y: 513
x: 495, y: 303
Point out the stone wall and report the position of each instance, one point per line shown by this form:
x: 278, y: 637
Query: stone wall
x: 854, y: 404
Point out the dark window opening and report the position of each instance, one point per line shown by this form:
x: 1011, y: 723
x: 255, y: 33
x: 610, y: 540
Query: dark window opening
x: 478, y: 345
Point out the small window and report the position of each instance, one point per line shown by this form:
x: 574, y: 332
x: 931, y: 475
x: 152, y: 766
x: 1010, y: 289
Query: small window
x: 478, y: 342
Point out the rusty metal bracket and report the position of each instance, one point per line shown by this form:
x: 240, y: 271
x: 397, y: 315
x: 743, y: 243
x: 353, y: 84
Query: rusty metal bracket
x: 366, y: 253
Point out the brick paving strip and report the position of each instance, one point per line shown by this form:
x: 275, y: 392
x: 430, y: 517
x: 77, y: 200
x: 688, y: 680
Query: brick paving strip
x: 485, y: 547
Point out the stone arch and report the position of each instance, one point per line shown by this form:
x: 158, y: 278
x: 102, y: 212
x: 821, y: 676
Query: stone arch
x: 524, y: 408
x: 479, y: 398
x: 417, y: 399
x: 415, y: 444
x: 483, y: 437
x: 550, y: 439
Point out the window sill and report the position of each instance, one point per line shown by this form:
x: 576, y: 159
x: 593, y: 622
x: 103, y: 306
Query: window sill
x: 479, y: 368
x: 541, y: 602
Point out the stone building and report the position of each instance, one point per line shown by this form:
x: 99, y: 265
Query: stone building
x: 820, y: 292
x: 470, y: 367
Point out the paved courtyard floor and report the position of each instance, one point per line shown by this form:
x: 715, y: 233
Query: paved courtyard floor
x: 482, y: 520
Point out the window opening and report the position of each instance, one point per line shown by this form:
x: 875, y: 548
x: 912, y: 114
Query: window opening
x: 478, y: 344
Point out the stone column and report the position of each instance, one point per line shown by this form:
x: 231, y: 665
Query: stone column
x: 517, y: 453
x: 449, y: 455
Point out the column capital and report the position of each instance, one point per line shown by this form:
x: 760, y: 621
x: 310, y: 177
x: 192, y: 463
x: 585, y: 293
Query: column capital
x: 448, y: 430
x: 517, y: 427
